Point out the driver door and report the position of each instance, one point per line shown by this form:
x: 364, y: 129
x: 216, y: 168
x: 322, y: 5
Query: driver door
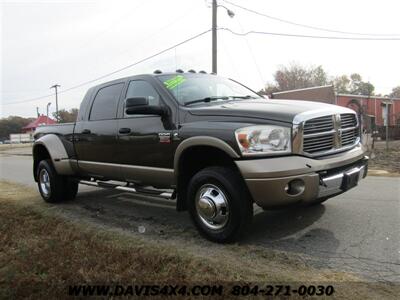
x: 144, y: 141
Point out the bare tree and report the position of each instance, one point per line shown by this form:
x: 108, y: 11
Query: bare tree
x: 65, y: 116
x: 296, y: 76
x: 395, y: 92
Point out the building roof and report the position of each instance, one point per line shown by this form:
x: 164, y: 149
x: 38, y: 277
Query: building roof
x: 41, y: 120
x: 319, y: 93
x: 366, y: 97
x: 304, y: 89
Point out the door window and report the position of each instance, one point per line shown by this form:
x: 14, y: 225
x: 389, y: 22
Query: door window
x: 105, y: 103
x: 140, y: 88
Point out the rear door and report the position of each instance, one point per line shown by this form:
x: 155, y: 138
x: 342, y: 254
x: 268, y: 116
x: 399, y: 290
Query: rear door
x: 96, y: 137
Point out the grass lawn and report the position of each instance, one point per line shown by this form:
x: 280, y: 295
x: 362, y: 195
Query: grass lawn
x: 41, y: 253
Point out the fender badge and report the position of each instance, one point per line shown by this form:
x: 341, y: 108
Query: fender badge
x: 165, y: 137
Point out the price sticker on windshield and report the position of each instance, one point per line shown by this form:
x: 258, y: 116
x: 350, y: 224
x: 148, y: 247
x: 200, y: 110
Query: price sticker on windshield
x: 174, y: 82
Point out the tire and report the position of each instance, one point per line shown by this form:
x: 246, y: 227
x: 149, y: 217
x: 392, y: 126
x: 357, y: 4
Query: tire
x: 53, y: 187
x: 220, y: 187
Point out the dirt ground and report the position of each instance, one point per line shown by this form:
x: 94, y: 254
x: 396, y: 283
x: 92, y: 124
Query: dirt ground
x: 13, y: 146
x: 42, y: 250
x: 16, y: 149
x: 381, y: 159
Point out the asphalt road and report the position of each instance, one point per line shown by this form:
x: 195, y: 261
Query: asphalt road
x: 358, y: 231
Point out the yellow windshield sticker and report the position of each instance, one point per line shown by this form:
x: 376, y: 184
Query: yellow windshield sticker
x: 174, y: 82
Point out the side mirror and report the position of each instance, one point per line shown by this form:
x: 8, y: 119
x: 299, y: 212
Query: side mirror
x: 140, y: 106
x: 136, y: 101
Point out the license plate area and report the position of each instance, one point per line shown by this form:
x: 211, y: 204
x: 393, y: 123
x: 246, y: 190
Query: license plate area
x: 350, y: 179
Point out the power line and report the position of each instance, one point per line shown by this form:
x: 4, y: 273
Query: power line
x: 308, y: 26
x: 148, y: 37
x: 252, y: 55
x: 309, y: 36
x: 113, y: 72
x: 90, y: 41
x: 30, y: 99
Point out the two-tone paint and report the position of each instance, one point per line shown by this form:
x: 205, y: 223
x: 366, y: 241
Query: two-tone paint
x: 150, y: 150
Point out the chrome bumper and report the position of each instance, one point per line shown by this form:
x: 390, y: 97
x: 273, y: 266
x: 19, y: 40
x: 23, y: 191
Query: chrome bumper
x: 334, y: 184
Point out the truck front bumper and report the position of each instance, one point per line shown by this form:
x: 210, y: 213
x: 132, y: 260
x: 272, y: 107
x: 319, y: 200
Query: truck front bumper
x: 283, y: 181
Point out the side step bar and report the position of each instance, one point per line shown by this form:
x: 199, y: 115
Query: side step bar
x: 154, y: 193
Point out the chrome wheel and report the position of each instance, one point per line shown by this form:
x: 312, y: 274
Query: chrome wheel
x: 44, y: 180
x: 212, y: 206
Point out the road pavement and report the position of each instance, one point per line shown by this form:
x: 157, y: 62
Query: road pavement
x: 358, y: 231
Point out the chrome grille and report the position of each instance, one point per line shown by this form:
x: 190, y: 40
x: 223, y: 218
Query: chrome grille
x: 328, y: 134
x: 318, y: 143
x: 349, y: 137
x: 318, y: 125
x: 348, y: 120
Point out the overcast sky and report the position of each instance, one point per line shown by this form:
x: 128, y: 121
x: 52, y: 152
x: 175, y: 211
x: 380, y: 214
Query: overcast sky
x: 70, y: 42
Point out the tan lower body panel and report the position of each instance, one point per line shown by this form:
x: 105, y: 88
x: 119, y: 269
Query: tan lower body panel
x: 282, y: 181
x: 270, y: 192
x: 159, y: 177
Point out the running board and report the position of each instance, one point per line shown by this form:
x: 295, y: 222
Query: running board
x: 154, y: 193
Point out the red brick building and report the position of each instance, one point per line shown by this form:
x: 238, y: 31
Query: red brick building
x: 373, y: 107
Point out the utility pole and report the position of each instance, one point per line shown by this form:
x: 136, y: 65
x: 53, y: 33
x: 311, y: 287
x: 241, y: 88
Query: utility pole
x: 47, y: 111
x: 214, y: 29
x: 387, y: 126
x: 56, y: 86
x: 214, y: 36
x: 37, y: 112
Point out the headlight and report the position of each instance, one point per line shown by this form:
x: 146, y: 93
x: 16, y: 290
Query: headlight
x: 264, y: 139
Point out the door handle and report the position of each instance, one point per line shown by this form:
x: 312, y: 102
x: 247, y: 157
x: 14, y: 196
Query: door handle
x: 124, y: 130
x: 86, y: 131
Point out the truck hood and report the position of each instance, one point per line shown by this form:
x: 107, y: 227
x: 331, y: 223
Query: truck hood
x: 289, y: 111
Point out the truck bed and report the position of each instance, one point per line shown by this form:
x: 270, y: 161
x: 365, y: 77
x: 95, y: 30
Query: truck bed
x: 65, y: 129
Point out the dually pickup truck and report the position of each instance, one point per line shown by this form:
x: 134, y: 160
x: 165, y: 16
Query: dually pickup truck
x: 211, y: 144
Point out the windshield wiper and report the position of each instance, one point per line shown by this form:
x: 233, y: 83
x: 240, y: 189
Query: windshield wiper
x: 214, y: 98
x: 206, y: 99
x: 242, y: 97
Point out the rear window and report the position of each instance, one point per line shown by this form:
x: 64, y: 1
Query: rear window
x: 105, y: 103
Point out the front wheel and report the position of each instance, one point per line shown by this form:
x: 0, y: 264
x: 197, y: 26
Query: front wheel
x: 52, y: 186
x: 219, y: 204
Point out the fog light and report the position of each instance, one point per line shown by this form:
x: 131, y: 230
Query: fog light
x: 295, y: 187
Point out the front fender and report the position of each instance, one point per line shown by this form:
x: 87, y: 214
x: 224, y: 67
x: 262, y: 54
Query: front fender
x: 202, y: 141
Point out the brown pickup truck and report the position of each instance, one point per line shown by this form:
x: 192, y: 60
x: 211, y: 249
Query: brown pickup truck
x: 207, y: 142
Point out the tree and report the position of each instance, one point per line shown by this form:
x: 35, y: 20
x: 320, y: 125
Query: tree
x: 341, y: 84
x: 269, y: 88
x: 318, y: 76
x: 65, y: 116
x: 12, y: 124
x: 360, y: 87
x: 395, y: 92
x: 353, y: 85
x: 296, y: 76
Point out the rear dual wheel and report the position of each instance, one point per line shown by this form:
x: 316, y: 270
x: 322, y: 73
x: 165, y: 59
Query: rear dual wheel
x: 219, y: 204
x: 52, y: 186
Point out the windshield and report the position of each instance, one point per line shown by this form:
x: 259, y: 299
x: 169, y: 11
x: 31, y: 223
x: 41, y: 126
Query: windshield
x: 193, y: 88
